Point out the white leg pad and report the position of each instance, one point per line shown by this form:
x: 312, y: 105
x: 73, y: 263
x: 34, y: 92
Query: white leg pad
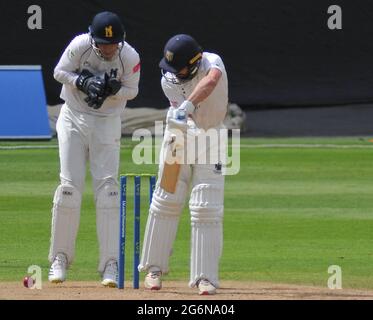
x: 206, y: 208
x: 107, y: 223
x: 161, y: 227
x: 65, y: 222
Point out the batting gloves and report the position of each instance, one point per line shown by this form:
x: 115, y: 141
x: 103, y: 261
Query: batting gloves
x: 187, y: 106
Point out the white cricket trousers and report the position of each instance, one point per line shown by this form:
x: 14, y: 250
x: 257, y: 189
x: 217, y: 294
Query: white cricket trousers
x: 83, y: 137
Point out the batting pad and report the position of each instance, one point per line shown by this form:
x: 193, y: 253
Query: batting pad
x: 107, y: 224
x: 206, y: 208
x: 161, y: 227
x: 65, y: 221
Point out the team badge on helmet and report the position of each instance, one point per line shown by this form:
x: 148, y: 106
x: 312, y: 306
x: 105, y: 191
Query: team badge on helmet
x: 109, y: 31
x: 169, y: 56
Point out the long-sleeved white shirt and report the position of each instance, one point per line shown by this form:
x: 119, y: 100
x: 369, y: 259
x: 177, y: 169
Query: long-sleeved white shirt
x: 79, y: 55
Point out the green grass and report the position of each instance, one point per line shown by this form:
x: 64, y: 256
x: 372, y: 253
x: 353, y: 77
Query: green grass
x: 290, y: 213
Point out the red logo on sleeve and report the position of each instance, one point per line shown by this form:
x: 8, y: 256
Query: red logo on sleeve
x: 136, y: 68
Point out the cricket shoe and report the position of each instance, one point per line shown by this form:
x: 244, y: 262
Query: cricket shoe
x: 206, y: 288
x: 153, y: 280
x: 57, y: 271
x: 110, y: 275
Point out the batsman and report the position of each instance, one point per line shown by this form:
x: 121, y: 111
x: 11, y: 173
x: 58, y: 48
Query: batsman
x: 195, y: 83
x: 99, y: 71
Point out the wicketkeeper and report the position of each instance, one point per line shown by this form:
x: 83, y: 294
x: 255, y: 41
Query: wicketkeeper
x: 196, y: 85
x: 99, y: 71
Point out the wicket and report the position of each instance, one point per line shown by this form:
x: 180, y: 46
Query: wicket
x: 122, y: 224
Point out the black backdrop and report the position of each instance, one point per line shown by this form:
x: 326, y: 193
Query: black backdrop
x: 276, y: 52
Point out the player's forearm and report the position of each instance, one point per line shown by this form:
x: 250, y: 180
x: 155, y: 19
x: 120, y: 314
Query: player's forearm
x: 130, y: 87
x: 202, y: 90
x: 127, y: 93
x: 65, y: 77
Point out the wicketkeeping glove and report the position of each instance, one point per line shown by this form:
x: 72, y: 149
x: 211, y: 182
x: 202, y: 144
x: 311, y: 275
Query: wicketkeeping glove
x: 95, y: 92
x: 112, y: 84
x: 96, y: 88
x: 82, y: 79
x: 111, y: 87
x: 93, y: 87
x: 90, y: 84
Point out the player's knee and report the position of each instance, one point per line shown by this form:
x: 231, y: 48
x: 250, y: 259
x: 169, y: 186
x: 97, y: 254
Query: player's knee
x: 108, y: 196
x: 169, y: 204
x: 207, y: 203
x: 67, y: 196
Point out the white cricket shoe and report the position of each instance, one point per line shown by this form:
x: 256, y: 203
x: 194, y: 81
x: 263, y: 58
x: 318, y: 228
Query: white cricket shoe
x: 206, y: 288
x: 153, y: 280
x: 110, y: 276
x: 57, y: 271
